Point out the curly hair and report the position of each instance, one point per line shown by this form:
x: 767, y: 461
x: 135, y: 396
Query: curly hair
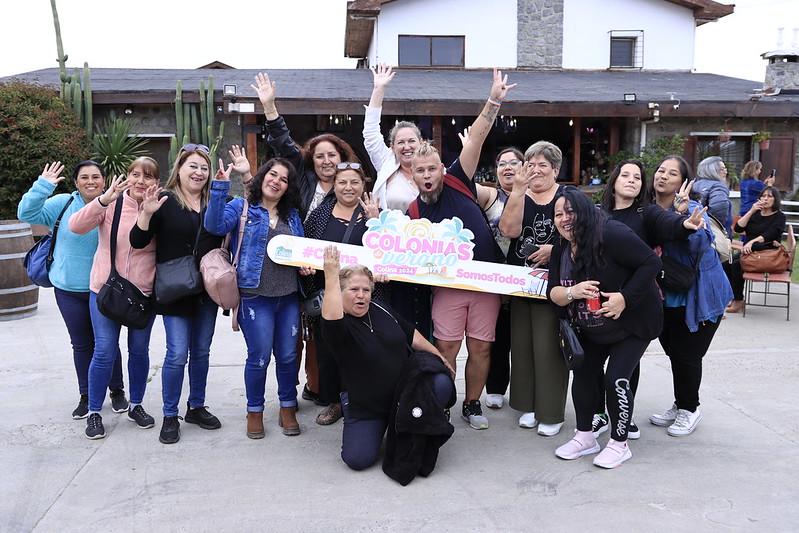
x: 587, y: 223
x: 608, y: 202
x: 290, y: 199
x: 345, y: 151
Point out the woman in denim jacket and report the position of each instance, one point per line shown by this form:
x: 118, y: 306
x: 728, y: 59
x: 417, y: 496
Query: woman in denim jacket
x: 690, y: 320
x: 269, y: 313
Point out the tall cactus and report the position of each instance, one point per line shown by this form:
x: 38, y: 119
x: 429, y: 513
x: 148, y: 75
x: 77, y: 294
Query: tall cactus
x: 88, y: 113
x: 197, y: 122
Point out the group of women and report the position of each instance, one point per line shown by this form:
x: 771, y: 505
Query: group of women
x: 602, y: 269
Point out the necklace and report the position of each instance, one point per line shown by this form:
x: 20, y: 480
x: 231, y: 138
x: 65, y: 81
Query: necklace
x: 368, y: 325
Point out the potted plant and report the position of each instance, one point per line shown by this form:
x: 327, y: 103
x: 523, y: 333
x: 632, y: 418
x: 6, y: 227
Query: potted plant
x: 762, y: 138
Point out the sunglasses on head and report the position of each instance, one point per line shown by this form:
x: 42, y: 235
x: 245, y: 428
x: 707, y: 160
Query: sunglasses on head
x: 191, y: 147
x: 344, y: 166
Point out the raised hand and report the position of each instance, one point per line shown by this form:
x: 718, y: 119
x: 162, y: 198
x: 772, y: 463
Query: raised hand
x: 369, y: 205
x: 464, y: 137
x: 238, y: 156
x: 331, y: 260
x: 51, y: 172
x: 223, y: 174
x: 265, y: 89
x: 118, y: 185
x: 150, y: 201
x: 500, y: 87
x: 382, y: 75
x: 681, y: 199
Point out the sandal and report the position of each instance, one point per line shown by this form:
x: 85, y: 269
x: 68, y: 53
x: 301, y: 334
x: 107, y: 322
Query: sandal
x: 329, y: 415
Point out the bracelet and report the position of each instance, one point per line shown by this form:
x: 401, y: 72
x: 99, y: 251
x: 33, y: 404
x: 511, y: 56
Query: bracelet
x: 100, y: 202
x: 494, y: 102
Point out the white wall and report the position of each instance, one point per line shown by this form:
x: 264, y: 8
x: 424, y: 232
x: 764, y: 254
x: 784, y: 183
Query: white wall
x: 489, y: 27
x: 669, y: 33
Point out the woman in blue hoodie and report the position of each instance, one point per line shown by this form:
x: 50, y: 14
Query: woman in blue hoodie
x: 72, y: 263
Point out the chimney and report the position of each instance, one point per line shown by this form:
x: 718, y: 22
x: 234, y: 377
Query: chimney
x: 782, y: 71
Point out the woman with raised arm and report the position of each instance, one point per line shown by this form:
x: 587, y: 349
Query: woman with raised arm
x: 603, y: 276
x: 138, y: 267
x: 269, y: 313
x: 171, y: 216
x: 371, y: 345
x: 343, y: 220
x: 690, y: 319
x: 72, y: 263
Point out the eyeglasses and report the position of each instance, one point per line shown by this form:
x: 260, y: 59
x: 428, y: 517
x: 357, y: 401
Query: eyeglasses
x: 191, y: 147
x: 344, y: 166
x: 512, y: 162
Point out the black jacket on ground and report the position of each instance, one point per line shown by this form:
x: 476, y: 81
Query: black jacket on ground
x: 417, y: 428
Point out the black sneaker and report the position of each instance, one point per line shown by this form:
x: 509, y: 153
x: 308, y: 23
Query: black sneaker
x: 632, y: 431
x: 119, y: 404
x: 311, y: 396
x: 599, y: 424
x: 201, y: 417
x: 170, y: 430
x: 473, y: 413
x: 82, y: 410
x: 94, y: 427
x: 140, y: 416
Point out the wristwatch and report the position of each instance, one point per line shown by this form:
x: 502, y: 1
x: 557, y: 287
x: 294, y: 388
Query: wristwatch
x: 569, y: 294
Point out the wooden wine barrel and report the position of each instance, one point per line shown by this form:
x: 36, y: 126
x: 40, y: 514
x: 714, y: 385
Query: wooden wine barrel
x: 19, y: 297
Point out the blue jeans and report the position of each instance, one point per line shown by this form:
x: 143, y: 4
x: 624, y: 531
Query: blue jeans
x: 188, y: 339
x: 74, y: 308
x: 106, y: 348
x: 270, y: 325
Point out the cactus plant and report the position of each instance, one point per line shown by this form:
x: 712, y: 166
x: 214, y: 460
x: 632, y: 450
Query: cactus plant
x: 196, y: 122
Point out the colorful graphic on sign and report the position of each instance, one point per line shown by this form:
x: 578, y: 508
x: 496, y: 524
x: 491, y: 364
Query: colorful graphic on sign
x: 417, y: 251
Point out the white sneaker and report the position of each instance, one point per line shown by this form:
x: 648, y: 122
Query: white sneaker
x: 583, y: 443
x: 527, y: 420
x: 666, y: 418
x: 494, y: 401
x: 614, y: 454
x: 549, y: 430
x: 685, y: 423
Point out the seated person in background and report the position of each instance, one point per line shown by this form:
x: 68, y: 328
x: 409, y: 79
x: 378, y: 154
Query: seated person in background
x: 751, y: 185
x: 370, y: 345
x: 763, y: 224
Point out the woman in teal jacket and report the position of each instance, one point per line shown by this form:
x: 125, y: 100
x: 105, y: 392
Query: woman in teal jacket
x: 72, y: 263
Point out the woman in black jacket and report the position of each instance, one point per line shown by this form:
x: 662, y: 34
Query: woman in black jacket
x: 172, y: 217
x: 604, y: 276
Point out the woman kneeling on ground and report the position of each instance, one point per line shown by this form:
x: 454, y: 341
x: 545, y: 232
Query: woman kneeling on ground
x: 370, y: 344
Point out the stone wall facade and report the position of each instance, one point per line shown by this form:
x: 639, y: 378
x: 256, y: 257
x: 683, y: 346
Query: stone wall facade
x: 540, y: 34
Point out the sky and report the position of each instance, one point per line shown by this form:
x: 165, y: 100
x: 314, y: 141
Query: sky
x: 272, y: 34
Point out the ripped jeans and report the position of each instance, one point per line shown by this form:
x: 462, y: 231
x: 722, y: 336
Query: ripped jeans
x: 270, y: 325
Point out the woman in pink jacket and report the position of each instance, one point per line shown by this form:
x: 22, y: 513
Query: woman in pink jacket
x: 138, y: 266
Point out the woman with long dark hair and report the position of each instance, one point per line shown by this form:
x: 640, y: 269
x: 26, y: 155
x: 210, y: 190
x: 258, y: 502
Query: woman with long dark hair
x: 690, y: 319
x: 269, y: 313
x: 604, y: 277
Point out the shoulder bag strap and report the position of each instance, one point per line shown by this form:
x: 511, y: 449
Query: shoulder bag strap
x: 242, y: 222
x: 353, y: 220
x: 115, y: 230
x: 55, y: 232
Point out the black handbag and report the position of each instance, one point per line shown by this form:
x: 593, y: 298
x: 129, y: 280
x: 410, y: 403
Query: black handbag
x: 39, y: 259
x: 677, y: 277
x: 570, y: 345
x: 119, y: 299
x: 180, y: 277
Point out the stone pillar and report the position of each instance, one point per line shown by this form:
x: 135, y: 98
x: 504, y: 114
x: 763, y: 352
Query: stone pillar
x: 540, y: 34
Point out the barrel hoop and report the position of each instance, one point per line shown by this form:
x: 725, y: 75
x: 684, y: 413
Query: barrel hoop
x: 17, y: 290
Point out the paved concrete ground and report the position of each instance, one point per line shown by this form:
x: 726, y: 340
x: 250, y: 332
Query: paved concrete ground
x: 738, y: 472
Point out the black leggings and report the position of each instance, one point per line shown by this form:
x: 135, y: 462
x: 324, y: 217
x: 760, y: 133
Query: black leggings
x: 622, y: 357
x: 499, y: 371
x: 685, y: 351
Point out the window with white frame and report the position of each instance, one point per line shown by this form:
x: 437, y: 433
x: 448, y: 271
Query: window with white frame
x: 626, y: 49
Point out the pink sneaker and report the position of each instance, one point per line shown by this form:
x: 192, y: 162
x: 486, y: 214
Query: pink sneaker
x: 614, y: 454
x: 583, y: 443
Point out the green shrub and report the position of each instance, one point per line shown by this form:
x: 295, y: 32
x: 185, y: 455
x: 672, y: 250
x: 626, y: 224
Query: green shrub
x: 653, y: 152
x: 35, y: 128
x: 115, y: 147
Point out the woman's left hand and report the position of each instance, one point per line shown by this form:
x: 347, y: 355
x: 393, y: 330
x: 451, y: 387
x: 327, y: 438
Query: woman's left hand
x: 614, y: 306
x: 369, y: 205
x: 747, y: 248
x: 150, y: 202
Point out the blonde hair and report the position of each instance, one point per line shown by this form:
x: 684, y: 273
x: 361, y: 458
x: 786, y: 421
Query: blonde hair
x: 173, y: 183
x: 425, y: 149
x: 346, y: 273
x: 750, y: 170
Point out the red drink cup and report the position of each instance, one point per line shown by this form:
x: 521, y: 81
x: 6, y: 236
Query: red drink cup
x: 593, y: 304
